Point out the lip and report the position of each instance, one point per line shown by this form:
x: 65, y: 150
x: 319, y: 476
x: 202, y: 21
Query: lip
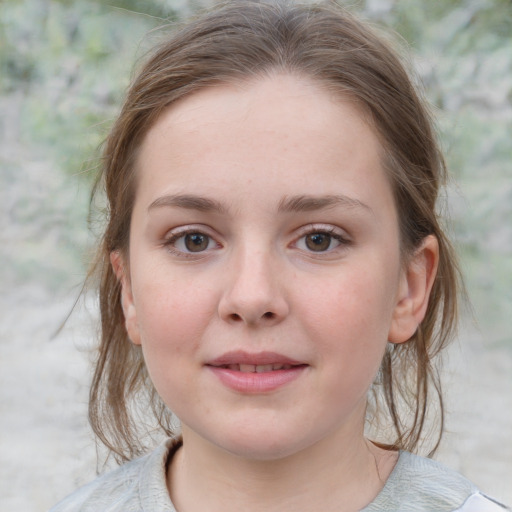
x: 258, y: 382
x: 259, y: 358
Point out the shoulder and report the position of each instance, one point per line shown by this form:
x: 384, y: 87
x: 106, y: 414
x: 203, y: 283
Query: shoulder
x: 135, y: 486
x: 118, y: 486
x: 418, y: 484
x: 478, y: 502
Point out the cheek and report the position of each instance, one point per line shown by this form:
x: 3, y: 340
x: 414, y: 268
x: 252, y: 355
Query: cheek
x: 349, y: 318
x: 172, y: 316
x: 357, y: 300
x: 171, y: 327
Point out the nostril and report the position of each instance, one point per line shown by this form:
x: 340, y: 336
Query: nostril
x: 252, y: 317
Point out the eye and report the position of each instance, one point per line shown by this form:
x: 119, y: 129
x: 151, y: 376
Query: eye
x: 190, y: 242
x: 321, y: 240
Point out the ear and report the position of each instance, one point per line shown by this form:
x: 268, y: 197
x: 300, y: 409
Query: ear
x: 414, y: 291
x: 120, y: 268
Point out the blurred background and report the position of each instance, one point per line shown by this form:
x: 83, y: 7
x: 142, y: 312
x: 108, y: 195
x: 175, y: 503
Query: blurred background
x: 64, y: 65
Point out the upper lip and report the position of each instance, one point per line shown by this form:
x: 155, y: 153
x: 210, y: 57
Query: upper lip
x: 259, y: 358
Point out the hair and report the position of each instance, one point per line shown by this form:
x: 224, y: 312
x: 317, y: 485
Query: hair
x: 251, y: 39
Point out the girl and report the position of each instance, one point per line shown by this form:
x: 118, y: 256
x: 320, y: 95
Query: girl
x: 274, y: 273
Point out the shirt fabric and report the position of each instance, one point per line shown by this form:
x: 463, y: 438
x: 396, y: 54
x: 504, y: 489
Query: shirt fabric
x: 416, y: 484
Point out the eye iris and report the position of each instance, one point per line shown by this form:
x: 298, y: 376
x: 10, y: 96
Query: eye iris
x: 318, y: 241
x: 196, y: 242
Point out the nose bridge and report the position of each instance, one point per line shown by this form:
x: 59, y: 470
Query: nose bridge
x: 253, y: 292
x: 253, y: 276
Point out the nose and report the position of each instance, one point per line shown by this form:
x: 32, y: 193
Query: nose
x: 253, y: 293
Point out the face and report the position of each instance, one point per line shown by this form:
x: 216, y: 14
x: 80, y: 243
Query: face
x: 264, y: 277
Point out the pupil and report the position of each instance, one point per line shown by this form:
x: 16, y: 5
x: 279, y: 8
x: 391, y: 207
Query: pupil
x: 318, y: 242
x: 196, y: 242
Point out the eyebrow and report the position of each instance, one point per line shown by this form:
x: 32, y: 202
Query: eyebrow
x: 304, y: 203
x: 189, y: 202
x: 300, y: 203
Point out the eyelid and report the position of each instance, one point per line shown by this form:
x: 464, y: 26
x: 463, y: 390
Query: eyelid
x: 324, y: 228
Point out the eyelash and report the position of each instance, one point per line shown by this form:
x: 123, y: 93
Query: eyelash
x: 331, y: 232
x: 170, y: 242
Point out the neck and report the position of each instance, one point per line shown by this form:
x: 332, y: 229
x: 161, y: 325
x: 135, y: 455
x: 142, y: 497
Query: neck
x: 205, y: 477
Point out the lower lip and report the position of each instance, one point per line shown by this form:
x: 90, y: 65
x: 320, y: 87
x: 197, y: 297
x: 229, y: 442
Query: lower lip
x: 249, y: 382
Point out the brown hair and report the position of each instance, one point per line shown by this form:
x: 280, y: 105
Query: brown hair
x: 249, y: 39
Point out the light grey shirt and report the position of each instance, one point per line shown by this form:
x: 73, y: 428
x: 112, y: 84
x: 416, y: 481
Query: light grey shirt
x: 416, y: 484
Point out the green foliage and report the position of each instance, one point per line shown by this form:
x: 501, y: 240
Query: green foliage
x: 72, y: 60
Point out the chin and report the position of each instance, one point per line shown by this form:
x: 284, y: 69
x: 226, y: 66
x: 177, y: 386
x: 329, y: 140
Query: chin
x: 262, y: 445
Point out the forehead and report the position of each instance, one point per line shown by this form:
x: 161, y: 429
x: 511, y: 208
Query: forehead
x: 258, y: 134
x: 289, y: 96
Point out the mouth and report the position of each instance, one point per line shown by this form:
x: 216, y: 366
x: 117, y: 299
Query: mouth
x: 263, y: 372
x: 256, y: 368
x: 260, y: 362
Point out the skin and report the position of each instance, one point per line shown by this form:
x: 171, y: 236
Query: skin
x: 259, y: 283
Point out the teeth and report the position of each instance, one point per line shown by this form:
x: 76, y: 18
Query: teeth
x: 264, y: 368
x: 280, y: 366
x: 258, y: 368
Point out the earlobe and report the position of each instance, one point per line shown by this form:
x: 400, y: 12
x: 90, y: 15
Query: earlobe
x: 130, y: 313
x: 414, y: 291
